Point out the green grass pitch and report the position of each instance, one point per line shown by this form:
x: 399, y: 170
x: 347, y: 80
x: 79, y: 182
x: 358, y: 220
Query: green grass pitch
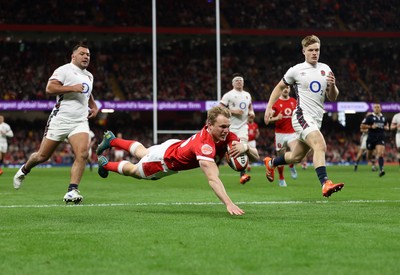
x: 178, y: 226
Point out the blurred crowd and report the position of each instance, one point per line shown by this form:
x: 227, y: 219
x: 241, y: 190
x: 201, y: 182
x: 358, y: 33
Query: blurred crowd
x: 367, y: 69
x: 368, y: 15
x: 186, y: 69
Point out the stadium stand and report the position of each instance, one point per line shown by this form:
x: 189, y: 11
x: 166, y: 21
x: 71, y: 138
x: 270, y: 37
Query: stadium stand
x: 367, y: 15
x: 366, y: 65
x: 367, y: 70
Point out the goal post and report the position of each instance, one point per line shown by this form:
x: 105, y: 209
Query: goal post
x: 156, y: 131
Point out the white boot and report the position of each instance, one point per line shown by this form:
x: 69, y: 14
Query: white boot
x: 19, y: 178
x: 73, y: 196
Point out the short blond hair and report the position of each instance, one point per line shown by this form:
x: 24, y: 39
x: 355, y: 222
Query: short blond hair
x: 309, y: 40
x: 214, y: 112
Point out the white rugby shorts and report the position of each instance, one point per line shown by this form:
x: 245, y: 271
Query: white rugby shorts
x: 59, y: 130
x: 305, y: 124
x: 282, y: 140
x: 152, y: 165
x: 3, y: 147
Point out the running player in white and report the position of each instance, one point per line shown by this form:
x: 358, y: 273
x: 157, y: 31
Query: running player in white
x: 313, y: 81
x: 395, y: 126
x: 72, y: 84
x: 238, y: 101
x: 5, y: 132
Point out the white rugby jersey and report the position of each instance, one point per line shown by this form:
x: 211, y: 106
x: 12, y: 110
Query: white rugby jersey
x: 5, y: 132
x: 396, y: 119
x: 235, y: 100
x: 73, y: 107
x: 310, y: 85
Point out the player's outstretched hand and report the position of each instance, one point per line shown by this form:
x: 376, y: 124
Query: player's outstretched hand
x: 233, y: 209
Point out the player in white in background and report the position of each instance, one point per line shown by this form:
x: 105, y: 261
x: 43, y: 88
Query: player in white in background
x: 205, y: 149
x: 395, y: 126
x: 312, y: 81
x: 5, y: 132
x: 72, y: 84
x: 238, y: 101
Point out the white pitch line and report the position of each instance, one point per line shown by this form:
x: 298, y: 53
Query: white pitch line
x: 191, y: 203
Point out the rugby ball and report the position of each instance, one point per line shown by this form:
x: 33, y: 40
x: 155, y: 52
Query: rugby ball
x: 238, y: 164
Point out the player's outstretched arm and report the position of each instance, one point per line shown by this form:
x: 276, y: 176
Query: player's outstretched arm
x: 211, y: 171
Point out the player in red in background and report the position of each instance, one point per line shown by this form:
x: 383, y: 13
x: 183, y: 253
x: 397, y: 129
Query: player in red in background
x: 285, y: 136
x: 254, y: 133
x: 205, y: 149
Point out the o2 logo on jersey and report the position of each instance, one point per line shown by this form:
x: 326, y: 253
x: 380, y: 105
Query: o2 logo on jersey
x: 243, y: 105
x: 315, y: 86
x: 85, y: 88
